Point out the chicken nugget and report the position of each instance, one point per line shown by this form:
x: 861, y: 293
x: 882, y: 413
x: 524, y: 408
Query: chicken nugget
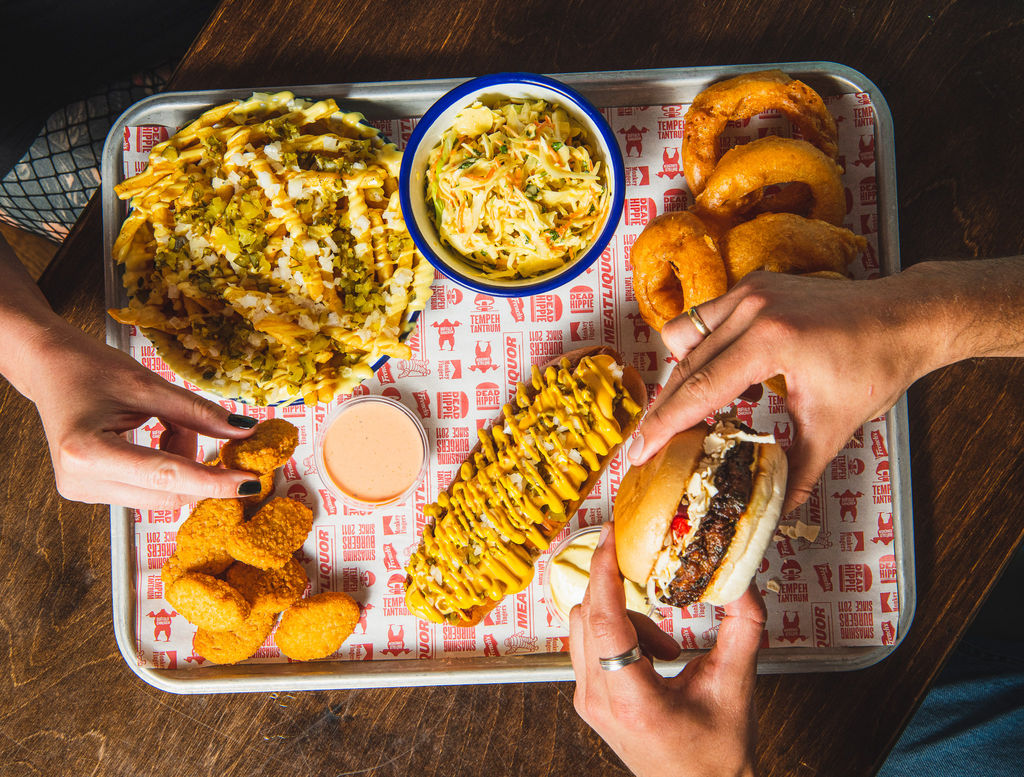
x: 274, y: 533
x: 315, y: 627
x: 269, y: 590
x: 270, y: 445
x: 201, y: 540
x: 230, y: 647
x: 207, y: 602
x: 203, y: 535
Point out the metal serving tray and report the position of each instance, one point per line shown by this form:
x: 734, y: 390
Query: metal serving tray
x: 401, y: 99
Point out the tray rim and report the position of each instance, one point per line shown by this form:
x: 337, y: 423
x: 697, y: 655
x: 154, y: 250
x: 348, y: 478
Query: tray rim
x: 545, y: 667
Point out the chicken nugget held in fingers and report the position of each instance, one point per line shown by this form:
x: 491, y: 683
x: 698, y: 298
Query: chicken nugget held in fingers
x: 269, y: 539
x: 315, y: 627
x: 270, y: 445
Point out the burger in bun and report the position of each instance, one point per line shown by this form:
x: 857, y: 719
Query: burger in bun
x: 692, y: 523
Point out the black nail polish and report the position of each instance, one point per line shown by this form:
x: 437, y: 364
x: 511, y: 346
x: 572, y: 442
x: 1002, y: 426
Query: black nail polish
x: 249, y: 488
x: 241, y: 421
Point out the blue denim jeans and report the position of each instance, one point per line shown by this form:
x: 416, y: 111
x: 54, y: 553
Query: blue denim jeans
x: 972, y: 721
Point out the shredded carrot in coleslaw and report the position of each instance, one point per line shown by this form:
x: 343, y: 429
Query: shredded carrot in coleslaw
x: 516, y: 188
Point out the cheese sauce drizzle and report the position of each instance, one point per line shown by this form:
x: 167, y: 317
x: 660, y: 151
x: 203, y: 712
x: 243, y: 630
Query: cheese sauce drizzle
x: 510, y: 498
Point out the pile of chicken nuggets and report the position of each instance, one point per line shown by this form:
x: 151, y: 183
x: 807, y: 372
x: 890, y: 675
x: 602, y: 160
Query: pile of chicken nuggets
x: 231, y: 576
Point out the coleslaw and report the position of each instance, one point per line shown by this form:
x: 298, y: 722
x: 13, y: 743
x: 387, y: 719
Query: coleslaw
x: 516, y: 188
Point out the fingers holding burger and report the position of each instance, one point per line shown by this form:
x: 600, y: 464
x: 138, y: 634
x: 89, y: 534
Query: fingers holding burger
x: 693, y: 523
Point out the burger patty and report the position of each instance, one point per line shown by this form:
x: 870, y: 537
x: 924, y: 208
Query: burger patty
x: 734, y: 481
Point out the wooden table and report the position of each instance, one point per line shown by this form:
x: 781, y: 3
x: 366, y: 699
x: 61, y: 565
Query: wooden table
x: 950, y: 73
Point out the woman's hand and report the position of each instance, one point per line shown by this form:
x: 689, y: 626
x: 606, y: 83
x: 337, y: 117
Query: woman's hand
x: 847, y: 349
x: 700, y: 722
x: 89, y: 394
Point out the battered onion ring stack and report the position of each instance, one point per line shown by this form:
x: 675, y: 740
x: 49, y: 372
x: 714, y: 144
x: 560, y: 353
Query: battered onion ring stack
x: 772, y: 204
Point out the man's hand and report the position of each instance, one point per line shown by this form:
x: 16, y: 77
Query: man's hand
x: 847, y: 349
x: 700, y: 722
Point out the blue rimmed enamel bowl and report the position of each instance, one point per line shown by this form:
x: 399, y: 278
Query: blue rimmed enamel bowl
x: 427, y: 135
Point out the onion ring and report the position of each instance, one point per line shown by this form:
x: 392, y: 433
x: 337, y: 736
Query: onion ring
x: 743, y: 172
x: 784, y: 242
x: 741, y: 98
x: 676, y: 266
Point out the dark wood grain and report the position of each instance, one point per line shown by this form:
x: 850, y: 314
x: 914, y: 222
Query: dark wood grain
x: 949, y: 71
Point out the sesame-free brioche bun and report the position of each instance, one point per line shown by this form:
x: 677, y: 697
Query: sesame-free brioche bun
x: 649, y: 497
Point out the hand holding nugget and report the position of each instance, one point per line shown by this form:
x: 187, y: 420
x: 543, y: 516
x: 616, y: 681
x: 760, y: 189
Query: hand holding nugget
x: 650, y: 721
x: 89, y: 395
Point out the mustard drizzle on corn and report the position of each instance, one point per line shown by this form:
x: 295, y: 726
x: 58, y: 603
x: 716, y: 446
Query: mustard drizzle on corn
x: 510, y: 499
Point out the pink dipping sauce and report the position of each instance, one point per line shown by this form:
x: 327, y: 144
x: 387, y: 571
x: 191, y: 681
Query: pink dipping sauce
x: 373, y: 451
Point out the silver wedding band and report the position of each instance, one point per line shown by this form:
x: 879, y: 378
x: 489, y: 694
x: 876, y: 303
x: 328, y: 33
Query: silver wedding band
x: 624, y: 659
x: 698, y: 322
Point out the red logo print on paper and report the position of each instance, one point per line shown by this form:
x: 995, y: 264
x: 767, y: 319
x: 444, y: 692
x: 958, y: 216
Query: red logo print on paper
x: 886, y: 533
x: 641, y: 330
x: 675, y: 200
x: 824, y: 572
x: 639, y: 210
x: 847, y: 504
x: 854, y: 578
x: 865, y: 151
x: 422, y: 403
x: 582, y: 331
x: 488, y: 396
x: 634, y: 140
x: 887, y: 569
x: 878, y: 444
x: 670, y: 166
x: 638, y: 176
x: 149, y: 136
x: 545, y: 309
x: 364, y: 609
x: 868, y: 191
x: 396, y: 641
x: 888, y: 633
x: 390, y: 557
x: 791, y: 628
x: 581, y: 299
x: 821, y: 615
x: 783, y: 434
x: 162, y: 624
x: 408, y: 368
x: 425, y: 639
x: 520, y: 643
x: 446, y: 333
x: 516, y: 307
x: 790, y: 569
x: 452, y: 404
x: 483, y: 361
x: 744, y: 411
x: 449, y: 369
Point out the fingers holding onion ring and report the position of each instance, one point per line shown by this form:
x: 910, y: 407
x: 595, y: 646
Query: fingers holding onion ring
x: 739, y: 179
x: 741, y: 98
x: 676, y: 265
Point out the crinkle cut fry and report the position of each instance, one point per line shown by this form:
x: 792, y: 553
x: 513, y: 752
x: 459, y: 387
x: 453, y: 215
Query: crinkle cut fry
x: 155, y: 225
